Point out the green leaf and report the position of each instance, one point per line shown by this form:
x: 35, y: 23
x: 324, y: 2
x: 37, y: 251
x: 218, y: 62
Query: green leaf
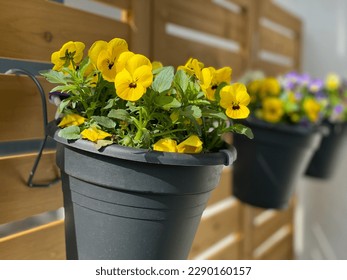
x: 102, y: 143
x: 70, y: 133
x: 192, y: 111
x: 110, y: 103
x: 181, y: 79
x: 167, y: 102
x: 119, y: 114
x: 64, y: 88
x: 241, y: 129
x: 214, y: 114
x: 104, y: 121
x: 163, y: 80
x: 62, y: 105
x: 54, y: 77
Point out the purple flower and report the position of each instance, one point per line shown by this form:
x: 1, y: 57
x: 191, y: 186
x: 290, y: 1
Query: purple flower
x: 315, y: 85
x: 298, y: 95
x: 338, y: 109
x: 304, y: 79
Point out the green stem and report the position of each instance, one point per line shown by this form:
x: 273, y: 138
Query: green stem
x: 168, y: 132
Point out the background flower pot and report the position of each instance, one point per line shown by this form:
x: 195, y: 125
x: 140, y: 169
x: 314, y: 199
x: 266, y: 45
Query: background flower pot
x: 324, y: 160
x: 267, y: 166
x: 126, y: 203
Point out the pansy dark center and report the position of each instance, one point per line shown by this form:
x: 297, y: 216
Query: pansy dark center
x: 235, y: 106
x: 214, y: 87
x: 110, y: 65
x: 132, y: 85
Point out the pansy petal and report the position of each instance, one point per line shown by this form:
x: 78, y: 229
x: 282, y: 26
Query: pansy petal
x: 192, y: 144
x: 122, y: 60
x: 165, y: 145
x: 241, y: 113
x: 226, y: 97
x: 223, y: 75
x: 79, y: 46
x: 136, y: 61
x: 95, y: 50
x: 206, y: 78
x: 143, y: 75
x: 106, y: 66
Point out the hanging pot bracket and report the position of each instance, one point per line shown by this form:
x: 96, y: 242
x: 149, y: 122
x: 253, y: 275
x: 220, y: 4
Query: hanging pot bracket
x: 30, y: 182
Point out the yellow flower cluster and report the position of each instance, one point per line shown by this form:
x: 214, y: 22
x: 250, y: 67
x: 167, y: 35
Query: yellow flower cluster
x: 266, y: 92
x: 112, y: 74
x: 287, y: 99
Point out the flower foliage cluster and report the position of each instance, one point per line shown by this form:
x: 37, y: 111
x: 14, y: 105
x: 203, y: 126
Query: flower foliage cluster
x: 297, y: 98
x: 113, y: 95
x: 334, y: 91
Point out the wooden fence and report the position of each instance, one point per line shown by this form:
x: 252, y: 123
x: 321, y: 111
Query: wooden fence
x: 243, y: 34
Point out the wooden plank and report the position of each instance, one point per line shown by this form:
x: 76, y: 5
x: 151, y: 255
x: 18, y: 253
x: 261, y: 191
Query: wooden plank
x: 176, y: 51
x: 246, y: 223
x: 280, y: 15
x: 215, y: 227
x: 282, y: 249
x: 21, y: 109
x: 223, y: 189
x: 141, y: 22
x: 230, y: 252
x: 271, y: 69
x: 17, y: 201
x: 123, y: 4
x: 271, y: 225
x: 204, y: 16
x: 277, y: 43
x: 31, y: 33
x: 46, y: 242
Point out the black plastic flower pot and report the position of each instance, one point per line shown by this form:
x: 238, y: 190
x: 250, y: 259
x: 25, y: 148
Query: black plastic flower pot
x: 268, y: 166
x: 125, y: 203
x: 324, y: 160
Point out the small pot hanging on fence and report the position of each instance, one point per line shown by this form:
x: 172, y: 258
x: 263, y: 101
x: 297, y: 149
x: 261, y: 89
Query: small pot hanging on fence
x: 324, y: 159
x: 268, y: 166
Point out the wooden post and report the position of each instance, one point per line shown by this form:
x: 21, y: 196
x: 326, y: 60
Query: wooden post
x: 141, y: 20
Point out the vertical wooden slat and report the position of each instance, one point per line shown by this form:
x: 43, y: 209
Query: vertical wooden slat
x: 140, y: 19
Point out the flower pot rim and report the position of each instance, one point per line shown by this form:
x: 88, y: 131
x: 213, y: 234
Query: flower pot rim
x: 294, y: 129
x: 223, y: 157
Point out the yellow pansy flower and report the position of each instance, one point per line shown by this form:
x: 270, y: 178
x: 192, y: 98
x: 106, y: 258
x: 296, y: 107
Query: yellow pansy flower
x: 191, y: 145
x: 253, y: 89
x: 107, y: 58
x: 312, y: 109
x: 165, y: 145
x: 295, y: 118
x: 95, y: 50
x: 132, y: 82
x: 204, y: 75
x: 269, y: 86
x: 234, y: 98
x: 217, y: 77
x: 332, y: 81
x: 70, y: 54
x: 272, y: 109
x: 122, y: 60
x: 58, y: 63
x: 71, y: 119
x: 93, y: 134
x: 191, y: 65
x: 157, y: 65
